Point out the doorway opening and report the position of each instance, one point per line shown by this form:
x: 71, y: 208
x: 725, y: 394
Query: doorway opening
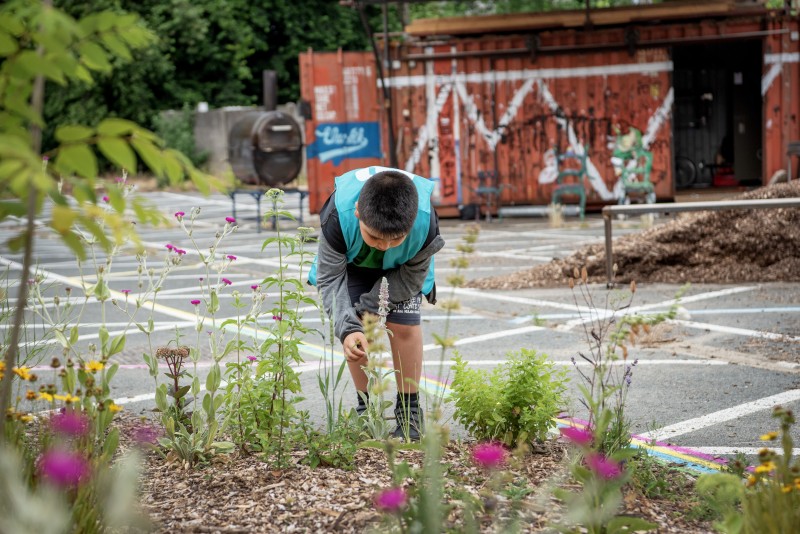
x: 717, y: 119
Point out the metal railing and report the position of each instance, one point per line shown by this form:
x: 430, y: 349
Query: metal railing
x: 640, y: 209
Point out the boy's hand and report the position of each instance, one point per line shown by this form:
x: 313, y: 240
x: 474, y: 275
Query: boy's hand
x: 355, y: 346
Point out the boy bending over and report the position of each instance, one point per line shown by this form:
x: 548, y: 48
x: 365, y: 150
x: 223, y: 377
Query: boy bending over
x: 380, y: 222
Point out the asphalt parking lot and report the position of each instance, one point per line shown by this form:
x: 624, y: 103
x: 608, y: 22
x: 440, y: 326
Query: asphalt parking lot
x: 703, y: 387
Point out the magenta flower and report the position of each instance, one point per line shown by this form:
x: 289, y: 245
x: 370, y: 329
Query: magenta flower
x: 179, y: 251
x: 120, y: 180
x: 230, y: 220
x: 226, y: 281
x: 607, y: 469
x: 254, y: 287
x: 196, y: 302
x: 125, y: 292
x: 578, y: 436
x: 170, y: 246
x: 105, y: 198
x: 231, y: 257
x: 252, y: 358
x: 391, y: 500
x: 201, y: 279
x: 70, y: 423
x: 489, y: 455
x: 45, y: 158
x: 179, y: 215
x: 276, y: 317
x: 63, y: 468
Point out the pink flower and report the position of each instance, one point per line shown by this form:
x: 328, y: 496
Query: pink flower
x: 63, y: 468
x: 607, y: 469
x: 120, y: 180
x: 489, y: 455
x: 230, y: 220
x: 276, y: 317
x: 391, y: 500
x: 252, y: 358
x: 105, y: 198
x: 126, y: 292
x: 45, y: 158
x: 70, y: 423
x: 179, y: 251
x: 578, y: 436
x: 231, y: 257
x: 196, y: 302
x: 179, y: 215
x: 169, y: 246
x: 254, y: 287
x: 226, y: 281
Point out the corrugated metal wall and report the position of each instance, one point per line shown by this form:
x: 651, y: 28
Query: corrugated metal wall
x: 345, y: 127
x: 459, y: 117
x: 469, y: 110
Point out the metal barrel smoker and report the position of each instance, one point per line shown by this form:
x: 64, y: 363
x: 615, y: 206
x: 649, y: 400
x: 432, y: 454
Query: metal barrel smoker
x: 265, y: 148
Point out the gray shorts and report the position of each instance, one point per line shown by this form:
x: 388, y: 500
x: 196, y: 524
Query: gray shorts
x: 406, y: 313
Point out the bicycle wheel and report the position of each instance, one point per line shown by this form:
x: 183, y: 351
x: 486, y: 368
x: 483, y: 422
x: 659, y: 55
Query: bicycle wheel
x: 685, y: 173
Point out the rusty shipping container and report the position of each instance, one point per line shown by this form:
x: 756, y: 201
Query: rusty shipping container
x: 472, y: 111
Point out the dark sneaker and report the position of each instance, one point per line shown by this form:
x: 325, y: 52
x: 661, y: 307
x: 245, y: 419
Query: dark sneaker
x: 361, y: 409
x: 409, y: 420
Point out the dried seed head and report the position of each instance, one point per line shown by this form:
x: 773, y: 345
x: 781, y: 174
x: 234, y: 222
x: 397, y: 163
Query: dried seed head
x: 571, y: 283
x: 584, y: 274
x: 576, y: 273
x: 633, y: 286
x: 624, y: 352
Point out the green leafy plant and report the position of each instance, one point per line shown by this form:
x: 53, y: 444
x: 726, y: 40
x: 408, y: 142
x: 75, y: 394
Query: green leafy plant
x: 176, y: 128
x: 515, y: 403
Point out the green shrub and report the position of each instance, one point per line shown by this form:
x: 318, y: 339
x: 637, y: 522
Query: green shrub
x: 516, y: 402
x: 176, y: 128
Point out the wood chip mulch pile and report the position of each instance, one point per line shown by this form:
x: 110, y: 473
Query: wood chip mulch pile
x: 242, y: 494
x: 723, y: 247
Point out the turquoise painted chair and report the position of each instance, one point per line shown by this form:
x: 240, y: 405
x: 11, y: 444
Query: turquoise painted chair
x: 570, y: 179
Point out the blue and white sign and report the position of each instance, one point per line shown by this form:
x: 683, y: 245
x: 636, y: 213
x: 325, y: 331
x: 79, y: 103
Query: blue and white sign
x: 337, y: 141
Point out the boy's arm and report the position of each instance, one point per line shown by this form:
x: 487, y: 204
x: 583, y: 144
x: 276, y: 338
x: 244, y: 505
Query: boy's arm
x: 332, y: 284
x: 406, y: 280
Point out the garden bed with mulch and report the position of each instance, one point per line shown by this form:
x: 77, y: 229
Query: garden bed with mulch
x: 724, y: 247
x: 242, y: 494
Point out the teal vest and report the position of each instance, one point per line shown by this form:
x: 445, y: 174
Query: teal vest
x: 348, y: 189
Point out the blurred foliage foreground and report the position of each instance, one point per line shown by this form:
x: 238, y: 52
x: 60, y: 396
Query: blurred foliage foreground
x: 59, y: 190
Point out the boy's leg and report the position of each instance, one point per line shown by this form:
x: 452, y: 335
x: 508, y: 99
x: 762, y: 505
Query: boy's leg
x: 406, y: 343
x: 358, y: 374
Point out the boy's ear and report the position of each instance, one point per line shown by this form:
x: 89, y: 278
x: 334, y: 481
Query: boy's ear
x: 357, y: 216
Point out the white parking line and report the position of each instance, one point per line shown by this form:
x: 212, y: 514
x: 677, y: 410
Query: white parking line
x: 767, y: 403
x: 602, y: 314
x: 508, y: 298
x: 734, y: 330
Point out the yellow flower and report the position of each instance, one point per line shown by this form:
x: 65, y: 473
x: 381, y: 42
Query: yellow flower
x: 114, y: 408
x: 45, y: 396
x: 766, y: 468
x: 751, y: 481
x: 769, y: 436
x: 94, y: 366
x: 26, y: 418
x: 23, y: 372
x: 69, y: 399
x: 786, y: 488
x: 30, y: 395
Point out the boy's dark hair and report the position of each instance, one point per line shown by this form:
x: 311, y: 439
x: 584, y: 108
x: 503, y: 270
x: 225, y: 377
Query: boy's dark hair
x: 388, y: 204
